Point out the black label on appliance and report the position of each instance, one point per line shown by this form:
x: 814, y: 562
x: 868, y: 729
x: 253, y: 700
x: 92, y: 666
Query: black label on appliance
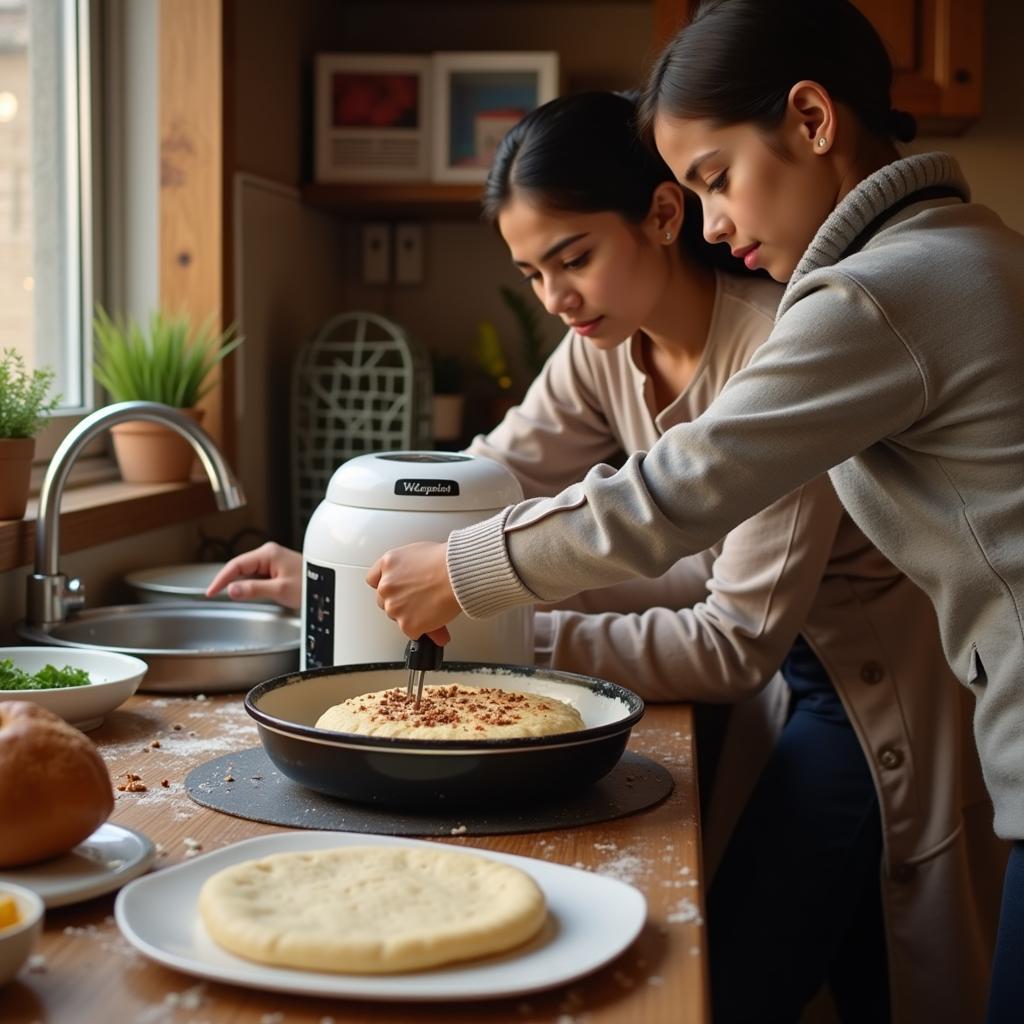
x: 319, y: 639
x: 427, y: 488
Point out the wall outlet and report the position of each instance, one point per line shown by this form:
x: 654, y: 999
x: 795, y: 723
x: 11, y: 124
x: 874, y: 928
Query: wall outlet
x: 376, y: 253
x: 409, y: 253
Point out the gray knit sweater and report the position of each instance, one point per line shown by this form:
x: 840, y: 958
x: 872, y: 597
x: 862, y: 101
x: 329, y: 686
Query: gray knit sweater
x: 900, y: 369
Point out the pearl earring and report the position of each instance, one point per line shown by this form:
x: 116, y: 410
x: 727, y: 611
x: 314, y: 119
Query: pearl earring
x: 822, y: 142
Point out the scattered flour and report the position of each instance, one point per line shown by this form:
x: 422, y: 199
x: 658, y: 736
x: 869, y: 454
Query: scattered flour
x: 685, y: 911
x: 626, y: 867
x: 188, y: 1000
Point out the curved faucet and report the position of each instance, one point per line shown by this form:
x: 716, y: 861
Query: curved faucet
x: 51, y: 595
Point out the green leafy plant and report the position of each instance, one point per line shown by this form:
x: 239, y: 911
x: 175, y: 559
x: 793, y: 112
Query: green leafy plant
x: 47, y: 678
x: 524, y: 309
x: 164, y: 365
x: 490, y: 355
x: 25, y: 401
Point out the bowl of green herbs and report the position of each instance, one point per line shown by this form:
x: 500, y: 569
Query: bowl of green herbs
x: 80, y: 686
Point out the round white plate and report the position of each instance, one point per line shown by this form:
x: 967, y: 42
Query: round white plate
x: 176, y: 582
x: 592, y: 919
x: 111, y: 856
x: 115, y: 677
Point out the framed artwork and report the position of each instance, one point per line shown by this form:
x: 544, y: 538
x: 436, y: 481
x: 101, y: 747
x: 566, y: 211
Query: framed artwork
x: 372, y: 117
x: 477, y: 97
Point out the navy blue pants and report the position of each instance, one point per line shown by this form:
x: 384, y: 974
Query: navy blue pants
x: 1006, y: 998
x: 796, y: 902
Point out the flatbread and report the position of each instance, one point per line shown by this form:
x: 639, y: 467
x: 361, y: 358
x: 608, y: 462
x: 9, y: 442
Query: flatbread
x: 371, y: 909
x: 453, y: 712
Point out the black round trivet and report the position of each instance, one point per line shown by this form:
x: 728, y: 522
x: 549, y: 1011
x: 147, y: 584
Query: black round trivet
x: 247, y: 785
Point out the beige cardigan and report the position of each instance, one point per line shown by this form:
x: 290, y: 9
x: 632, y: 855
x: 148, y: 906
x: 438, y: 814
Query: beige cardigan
x: 717, y: 625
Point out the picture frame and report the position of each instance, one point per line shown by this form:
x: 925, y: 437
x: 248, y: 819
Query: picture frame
x: 477, y: 97
x: 372, y: 117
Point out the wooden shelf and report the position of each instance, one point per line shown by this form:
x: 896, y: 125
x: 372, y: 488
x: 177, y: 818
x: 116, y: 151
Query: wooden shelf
x: 398, y: 200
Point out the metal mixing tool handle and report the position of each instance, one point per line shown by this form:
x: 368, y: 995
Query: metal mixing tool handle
x: 421, y: 656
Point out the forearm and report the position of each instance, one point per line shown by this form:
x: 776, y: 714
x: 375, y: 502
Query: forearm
x: 799, y: 408
x: 662, y: 654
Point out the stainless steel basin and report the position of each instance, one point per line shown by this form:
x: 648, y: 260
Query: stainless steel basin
x: 190, y: 646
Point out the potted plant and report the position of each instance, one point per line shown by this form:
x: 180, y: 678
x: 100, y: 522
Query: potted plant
x: 25, y: 404
x: 170, y: 364
x: 449, y: 399
x: 528, y: 319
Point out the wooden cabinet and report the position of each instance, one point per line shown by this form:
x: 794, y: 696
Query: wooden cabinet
x: 936, y: 48
x: 937, y: 55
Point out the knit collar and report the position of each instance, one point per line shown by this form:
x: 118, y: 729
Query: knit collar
x: 871, y: 198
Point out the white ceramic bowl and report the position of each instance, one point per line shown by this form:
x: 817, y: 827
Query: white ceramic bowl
x: 18, y: 940
x: 115, y: 677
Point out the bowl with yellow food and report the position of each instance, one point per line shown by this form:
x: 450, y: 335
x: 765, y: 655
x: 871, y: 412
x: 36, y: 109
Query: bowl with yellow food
x: 21, y: 921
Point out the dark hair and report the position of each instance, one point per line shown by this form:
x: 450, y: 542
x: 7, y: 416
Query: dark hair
x: 737, y: 60
x: 582, y: 154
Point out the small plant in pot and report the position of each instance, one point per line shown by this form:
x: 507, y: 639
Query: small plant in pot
x: 167, y: 363
x: 449, y: 398
x: 25, y: 405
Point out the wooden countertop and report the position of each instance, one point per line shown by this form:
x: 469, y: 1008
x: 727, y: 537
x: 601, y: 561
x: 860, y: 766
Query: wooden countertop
x: 88, y: 973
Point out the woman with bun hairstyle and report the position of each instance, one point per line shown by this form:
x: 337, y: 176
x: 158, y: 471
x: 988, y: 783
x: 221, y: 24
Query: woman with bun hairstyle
x: 896, y: 363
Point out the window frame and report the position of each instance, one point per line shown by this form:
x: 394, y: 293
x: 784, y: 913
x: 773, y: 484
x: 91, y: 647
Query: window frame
x: 193, y: 217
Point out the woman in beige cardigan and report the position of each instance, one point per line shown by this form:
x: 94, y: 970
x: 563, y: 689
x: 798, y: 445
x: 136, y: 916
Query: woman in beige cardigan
x: 869, y: 779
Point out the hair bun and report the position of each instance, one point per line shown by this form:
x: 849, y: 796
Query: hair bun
x: 901, y: 125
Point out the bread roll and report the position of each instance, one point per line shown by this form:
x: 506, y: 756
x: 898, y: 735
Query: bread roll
x: 55, y: 790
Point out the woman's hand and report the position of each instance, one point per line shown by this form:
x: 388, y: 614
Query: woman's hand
x: 413, y: 589
x: 268, y: 573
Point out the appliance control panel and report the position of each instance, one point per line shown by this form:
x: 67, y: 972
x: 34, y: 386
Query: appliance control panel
x: 319, y: 632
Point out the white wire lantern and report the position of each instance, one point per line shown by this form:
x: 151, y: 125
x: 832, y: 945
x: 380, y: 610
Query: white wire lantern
x: 360, y: 385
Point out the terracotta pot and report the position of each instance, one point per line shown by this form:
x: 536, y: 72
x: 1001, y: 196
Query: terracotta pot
x: 15, y: 472
x: 150, y: 453
x: 448, y: 417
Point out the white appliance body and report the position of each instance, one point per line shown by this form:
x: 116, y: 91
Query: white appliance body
x: 381, y: 501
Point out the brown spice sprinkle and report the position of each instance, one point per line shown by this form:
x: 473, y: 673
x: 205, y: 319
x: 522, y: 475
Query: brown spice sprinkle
x: 132, y: 784
x: 448, y: 705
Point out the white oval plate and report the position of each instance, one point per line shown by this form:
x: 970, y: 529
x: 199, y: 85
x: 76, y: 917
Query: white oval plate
x: 591, y: 920
x: 110, y: 857
x: 115, y: 677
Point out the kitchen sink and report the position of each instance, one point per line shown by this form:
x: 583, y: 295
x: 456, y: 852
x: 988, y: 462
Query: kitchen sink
x: 190, y: 646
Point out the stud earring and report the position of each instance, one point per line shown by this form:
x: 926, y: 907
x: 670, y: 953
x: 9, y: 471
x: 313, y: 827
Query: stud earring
x: 822, y: 142
x: 668, y: 236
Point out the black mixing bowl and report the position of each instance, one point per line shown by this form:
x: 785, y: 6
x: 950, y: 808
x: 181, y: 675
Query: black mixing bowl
x: 436, y: 774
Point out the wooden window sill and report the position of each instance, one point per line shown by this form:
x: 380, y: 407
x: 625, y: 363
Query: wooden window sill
x: 102, y: 512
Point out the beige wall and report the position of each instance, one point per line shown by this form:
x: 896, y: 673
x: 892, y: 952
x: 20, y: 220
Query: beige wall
x: 274, y: 49
x: 599, y: 45
x: 300, y: 266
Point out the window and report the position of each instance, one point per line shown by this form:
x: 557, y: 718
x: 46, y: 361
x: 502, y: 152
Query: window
x: 46, y: 189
